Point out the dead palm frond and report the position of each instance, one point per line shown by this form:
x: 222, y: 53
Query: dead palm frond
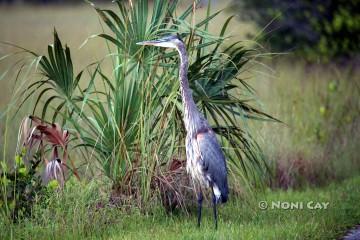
x: 36, y: 134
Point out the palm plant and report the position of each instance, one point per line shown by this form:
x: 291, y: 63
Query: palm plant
x: 58, y: 80
x: 213, y: 74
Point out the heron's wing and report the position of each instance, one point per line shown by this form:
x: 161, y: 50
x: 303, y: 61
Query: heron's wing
x: 212, y: 159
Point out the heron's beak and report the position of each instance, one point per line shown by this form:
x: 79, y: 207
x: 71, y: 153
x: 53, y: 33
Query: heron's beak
x: 149, y: 43
x: 163, y: 42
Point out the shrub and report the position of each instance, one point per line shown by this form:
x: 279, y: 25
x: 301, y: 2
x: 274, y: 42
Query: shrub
x: 21, y: 188
x: 314, y: 29
x: 25, y: 183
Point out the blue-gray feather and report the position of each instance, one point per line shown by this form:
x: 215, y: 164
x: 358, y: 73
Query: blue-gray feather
x: 213, y: 162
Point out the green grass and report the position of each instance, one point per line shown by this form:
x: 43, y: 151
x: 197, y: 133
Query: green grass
x: 73, y: 216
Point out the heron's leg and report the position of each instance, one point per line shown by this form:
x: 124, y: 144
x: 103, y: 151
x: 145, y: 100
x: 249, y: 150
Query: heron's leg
x: 214, y: 208
x: 200, y: 200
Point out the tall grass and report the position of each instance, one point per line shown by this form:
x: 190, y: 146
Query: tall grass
x: 319, y: 104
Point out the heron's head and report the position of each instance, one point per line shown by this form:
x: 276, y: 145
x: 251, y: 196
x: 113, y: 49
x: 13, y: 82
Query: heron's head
x: 171, y: 41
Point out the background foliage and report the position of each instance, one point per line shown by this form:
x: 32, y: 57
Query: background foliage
x: 315, y: 29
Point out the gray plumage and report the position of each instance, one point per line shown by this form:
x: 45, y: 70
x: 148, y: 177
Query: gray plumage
x: 205, y: 160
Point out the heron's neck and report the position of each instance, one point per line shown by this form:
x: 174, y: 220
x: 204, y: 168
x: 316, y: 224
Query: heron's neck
x: 191, y: 113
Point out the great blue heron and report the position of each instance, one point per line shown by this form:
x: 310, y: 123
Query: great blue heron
x: 205, y: 159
